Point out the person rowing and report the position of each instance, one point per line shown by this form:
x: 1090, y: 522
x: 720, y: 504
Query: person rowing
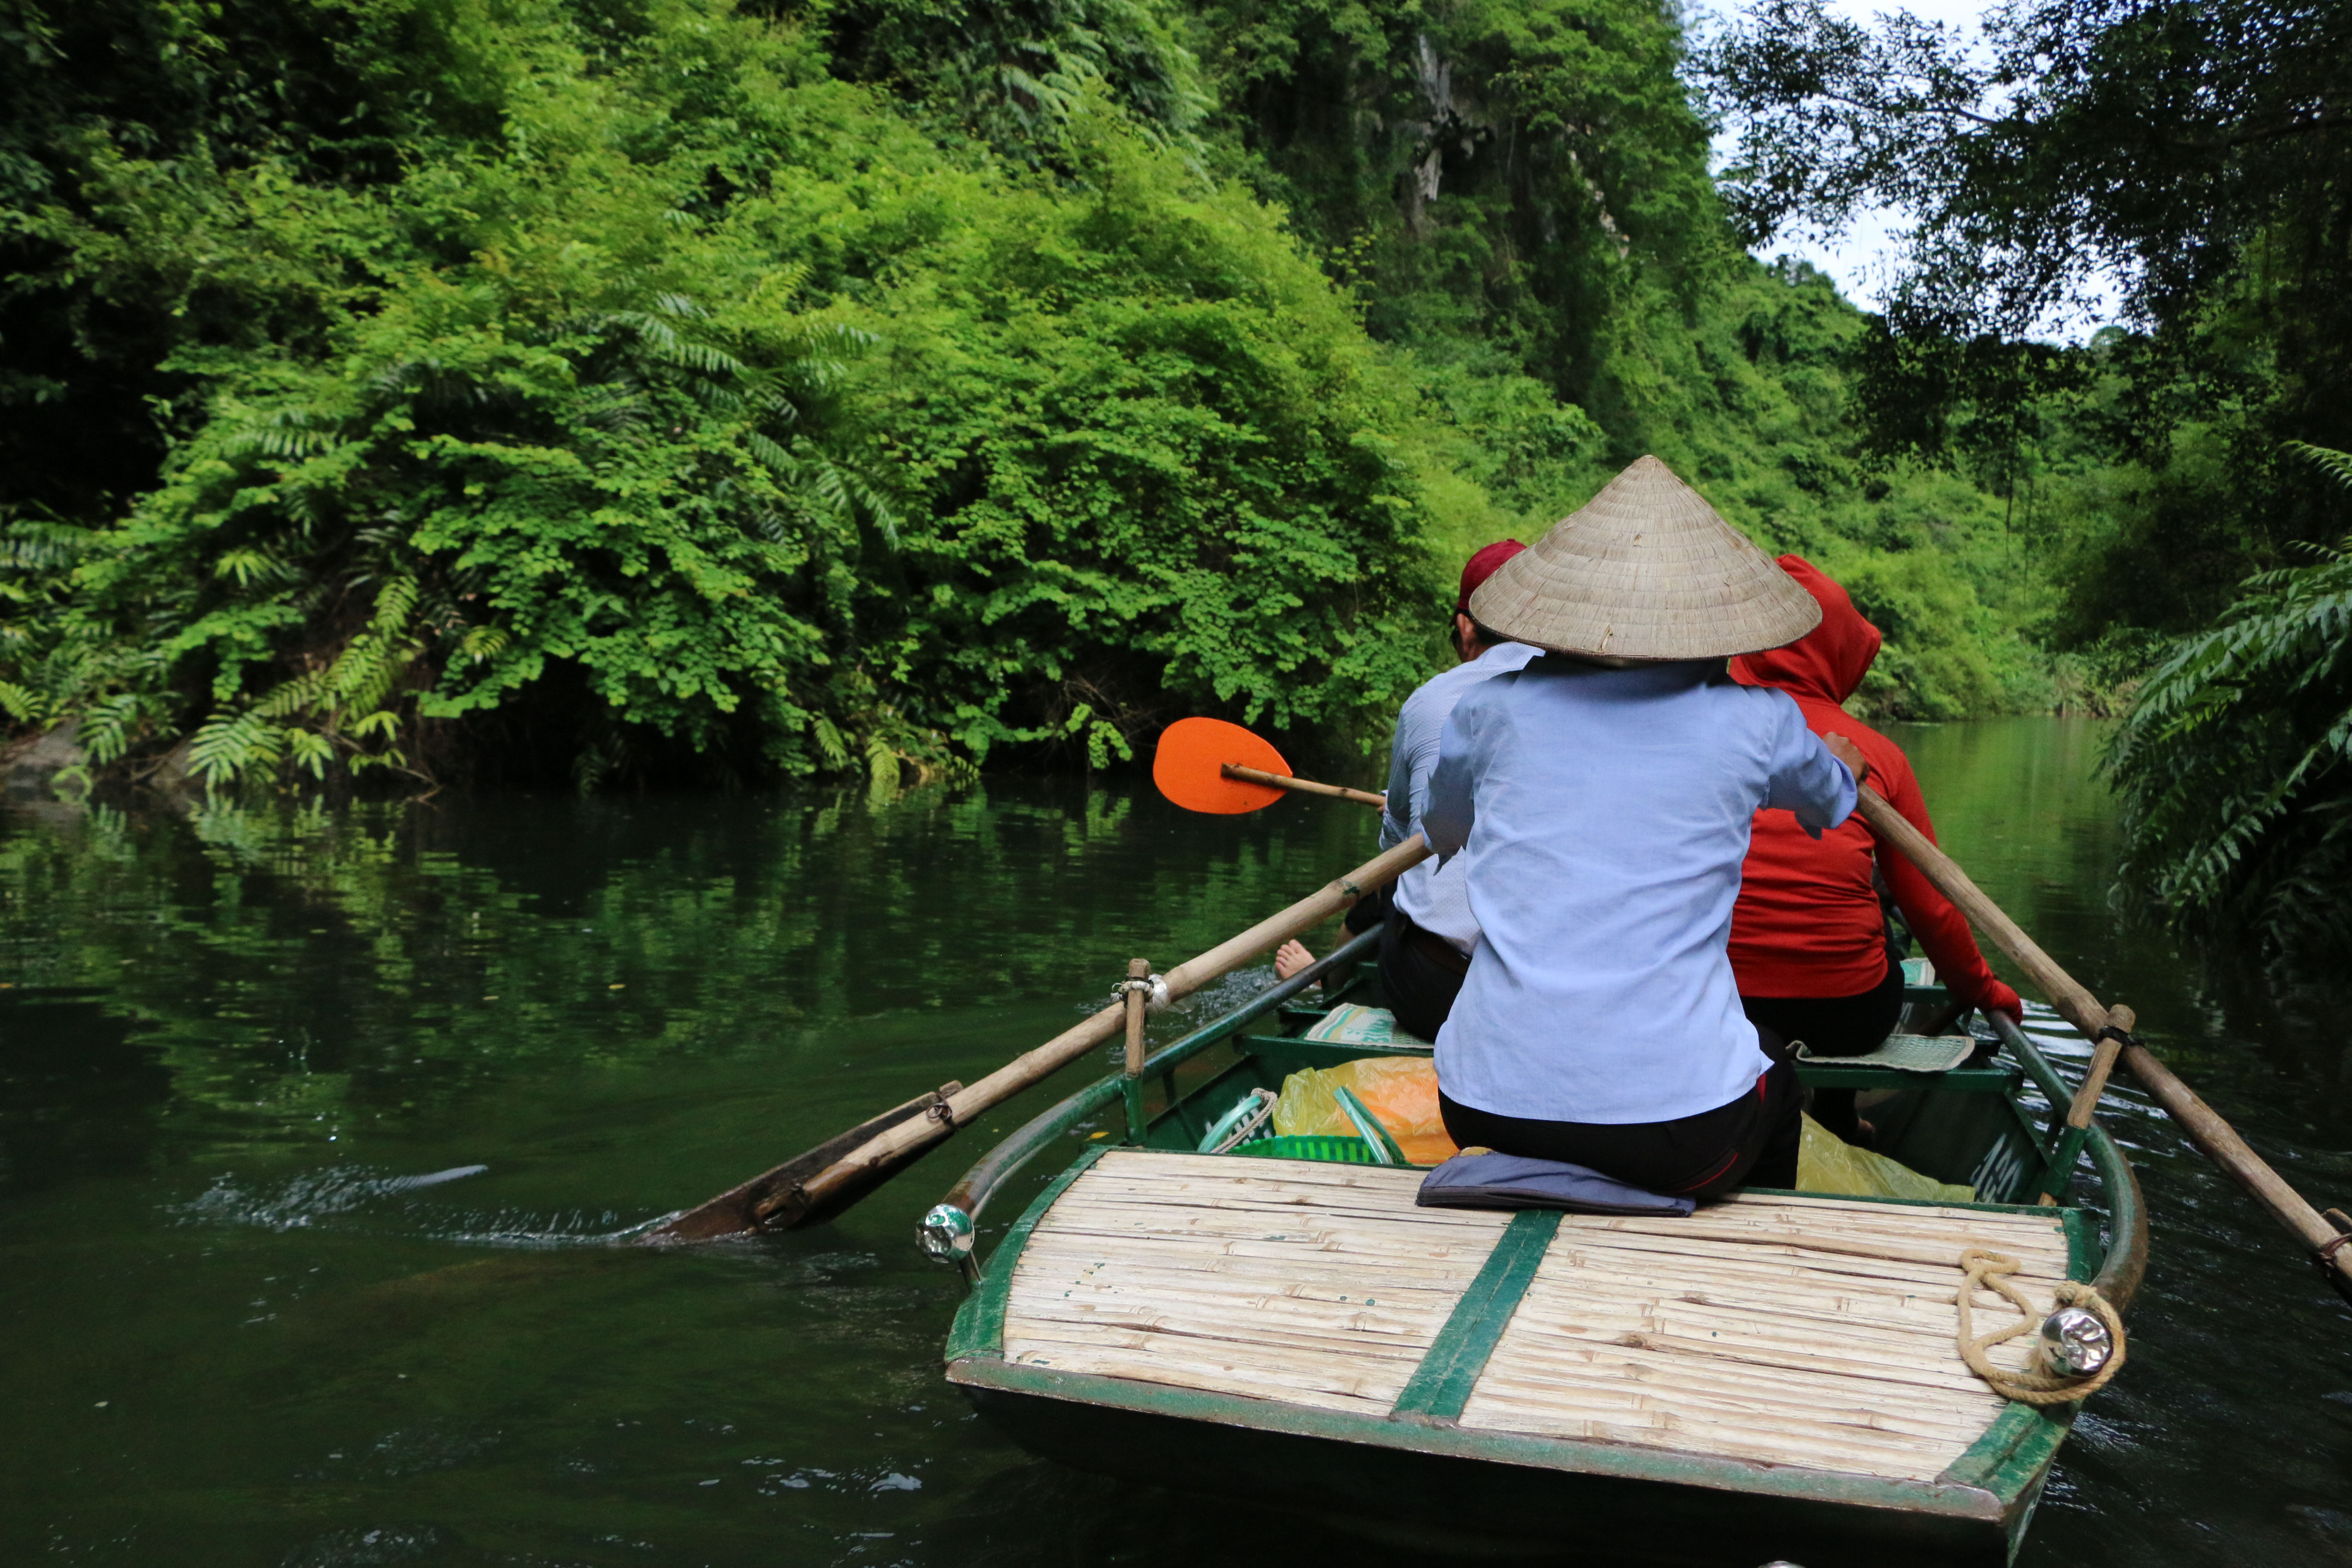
x: 1427, y: 932
x: 1808, y: 939
x: 1600, y: 800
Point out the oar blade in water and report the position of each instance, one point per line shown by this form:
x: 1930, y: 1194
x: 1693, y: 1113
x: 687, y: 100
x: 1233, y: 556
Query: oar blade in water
x: 765, y: 1203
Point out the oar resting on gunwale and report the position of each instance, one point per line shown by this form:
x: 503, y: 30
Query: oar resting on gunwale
x: 815, y: 1185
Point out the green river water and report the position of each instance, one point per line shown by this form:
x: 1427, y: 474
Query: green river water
x: 239, y: 1331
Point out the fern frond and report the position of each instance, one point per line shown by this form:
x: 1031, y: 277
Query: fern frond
x: 108, y: 728
x: 310, y: 749
x: 829, y: 741
x: 227, y: 744
x: 24, y: 706
x: 2338, y: 464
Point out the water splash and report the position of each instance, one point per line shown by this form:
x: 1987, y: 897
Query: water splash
x: 305, y: 1200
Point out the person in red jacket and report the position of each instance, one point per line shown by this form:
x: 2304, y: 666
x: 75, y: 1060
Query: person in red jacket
x: 1809, y: 942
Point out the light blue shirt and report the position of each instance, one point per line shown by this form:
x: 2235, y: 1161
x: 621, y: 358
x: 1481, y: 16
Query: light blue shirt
x: 1601, y: 817
x: 1435, y: 898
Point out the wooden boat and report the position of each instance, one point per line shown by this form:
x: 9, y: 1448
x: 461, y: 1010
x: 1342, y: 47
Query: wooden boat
x: 1774, y: 1377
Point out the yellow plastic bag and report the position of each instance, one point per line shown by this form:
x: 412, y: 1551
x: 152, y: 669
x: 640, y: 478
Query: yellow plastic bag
x: 1828, y: 1163
x: 1402, y: 1092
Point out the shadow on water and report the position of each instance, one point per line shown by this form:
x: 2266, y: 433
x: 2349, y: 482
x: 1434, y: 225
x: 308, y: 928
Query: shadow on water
x: 315, y: 1128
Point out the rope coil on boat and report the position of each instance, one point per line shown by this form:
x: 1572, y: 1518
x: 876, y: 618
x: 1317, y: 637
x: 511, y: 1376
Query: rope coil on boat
x: 1990, y: 1271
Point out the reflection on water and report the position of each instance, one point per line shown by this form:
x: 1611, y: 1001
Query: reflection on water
x: 309, y: 1123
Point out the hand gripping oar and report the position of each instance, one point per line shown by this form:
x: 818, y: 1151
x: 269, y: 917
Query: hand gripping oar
x: 804, y: 1191
x: 1209, y: 765
x: 2110, y: 1028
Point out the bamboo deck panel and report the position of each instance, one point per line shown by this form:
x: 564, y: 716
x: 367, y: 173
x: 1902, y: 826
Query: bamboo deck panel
x: 1808, y: 1332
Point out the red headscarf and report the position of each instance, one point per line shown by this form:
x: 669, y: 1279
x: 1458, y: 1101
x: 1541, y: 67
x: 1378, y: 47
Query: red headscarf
x: 1827, y: 663
x: 1482, y: 566
x: 1808, y: 921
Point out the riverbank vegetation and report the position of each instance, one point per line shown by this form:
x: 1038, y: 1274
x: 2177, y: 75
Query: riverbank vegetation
x: 620, y: 391
x: 451, y: 389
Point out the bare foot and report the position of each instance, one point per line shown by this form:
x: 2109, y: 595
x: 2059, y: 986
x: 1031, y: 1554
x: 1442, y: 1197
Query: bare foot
x: 1290, y: 958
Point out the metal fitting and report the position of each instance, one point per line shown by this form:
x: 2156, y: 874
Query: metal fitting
x: 1156, y: 997
x: 2075, y: 1343
x: 946, y: 1235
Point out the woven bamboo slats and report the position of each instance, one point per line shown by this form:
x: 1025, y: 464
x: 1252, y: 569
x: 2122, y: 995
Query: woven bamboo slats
x: 1808, y: 1332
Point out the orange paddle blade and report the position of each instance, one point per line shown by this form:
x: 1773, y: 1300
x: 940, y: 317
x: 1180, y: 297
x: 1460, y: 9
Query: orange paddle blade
x: 1191, y: 751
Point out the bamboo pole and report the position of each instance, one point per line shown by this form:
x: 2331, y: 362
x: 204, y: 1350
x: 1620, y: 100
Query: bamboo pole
x: 2214, y: 1137
x: 2102, y: 1063
x: 1139, y: 985
x: 881, y: 1156
x: 1303, y: 786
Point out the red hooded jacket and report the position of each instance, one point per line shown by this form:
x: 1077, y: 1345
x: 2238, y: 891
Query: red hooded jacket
x: 1808, y: 921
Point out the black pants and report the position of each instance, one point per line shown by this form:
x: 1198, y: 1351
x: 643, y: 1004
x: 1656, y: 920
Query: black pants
x: 1421, y: 973
x: 1750, y: 1142
x: 1836, y: 1026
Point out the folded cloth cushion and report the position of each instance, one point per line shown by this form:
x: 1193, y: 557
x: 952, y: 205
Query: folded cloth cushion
x: 1485, y: 1180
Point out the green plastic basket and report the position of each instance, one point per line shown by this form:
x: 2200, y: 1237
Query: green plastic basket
x: 1310, y: 1146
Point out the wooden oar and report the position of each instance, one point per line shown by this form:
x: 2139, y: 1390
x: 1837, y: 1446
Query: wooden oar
x: 1209, y: 765
x: 802, y: 1192
x: 1302, y: 787
x: 2109, y: 1029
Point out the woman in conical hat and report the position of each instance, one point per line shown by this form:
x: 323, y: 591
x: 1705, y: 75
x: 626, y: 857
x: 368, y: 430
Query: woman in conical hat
x: 1600, y: 799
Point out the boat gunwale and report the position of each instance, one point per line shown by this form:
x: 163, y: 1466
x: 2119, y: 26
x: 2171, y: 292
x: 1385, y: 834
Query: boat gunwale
x: 971, y: 1191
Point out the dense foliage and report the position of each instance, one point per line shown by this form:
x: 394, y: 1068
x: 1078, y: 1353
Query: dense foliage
x: 2193, y: 157
x: 571, y: 389
x: 2237, y: 758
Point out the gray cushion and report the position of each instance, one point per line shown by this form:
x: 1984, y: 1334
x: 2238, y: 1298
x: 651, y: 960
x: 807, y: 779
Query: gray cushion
x: 1514, y: 1181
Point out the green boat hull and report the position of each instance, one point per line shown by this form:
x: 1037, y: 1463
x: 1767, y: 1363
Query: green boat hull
x: 1582, y: 1499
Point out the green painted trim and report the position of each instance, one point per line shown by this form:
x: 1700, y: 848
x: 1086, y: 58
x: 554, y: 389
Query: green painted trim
x: 2059, y: 1161
x: 2127, y: 1240
x: 2037, y: 1066
x: 1028, y: 1141
x: 2084, y: 1253
x: 1131, y: 1094
x: 980, y: 1183
x: 1441, y: 1385
x: 2009, y: 1459
x: 1907, y: 1202
x: 978, y: 1328
x: 1329, y: 1053
x: 1825, y: 1073
x: 1623, y: 1460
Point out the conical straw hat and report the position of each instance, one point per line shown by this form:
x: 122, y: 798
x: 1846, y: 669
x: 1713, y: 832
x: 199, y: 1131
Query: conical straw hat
x: 1645, y: 570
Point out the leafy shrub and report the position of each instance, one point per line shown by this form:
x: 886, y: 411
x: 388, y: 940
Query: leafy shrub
x: 697, y: 408
x: 2236, y: 758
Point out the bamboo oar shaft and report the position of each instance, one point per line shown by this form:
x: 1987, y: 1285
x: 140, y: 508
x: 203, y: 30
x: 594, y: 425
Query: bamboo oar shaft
x: 2103, y: 1062
x: 1303, y: 787
x: 889, y: 1147
x: 2079, y: 1006
x: 2215, y: 1137
x: 1138, y: 969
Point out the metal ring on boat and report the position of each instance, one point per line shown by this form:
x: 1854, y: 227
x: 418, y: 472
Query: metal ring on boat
x: 946, y: 1234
